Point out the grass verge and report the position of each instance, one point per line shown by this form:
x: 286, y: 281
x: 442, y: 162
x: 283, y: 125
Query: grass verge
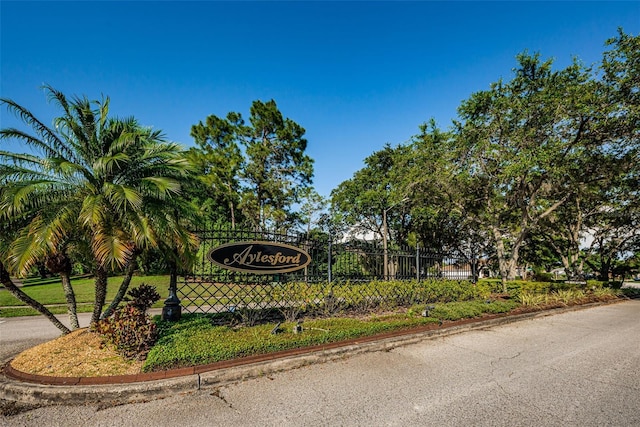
x: 195, y: 340
x: 28, y: 311
x: 84, y: 289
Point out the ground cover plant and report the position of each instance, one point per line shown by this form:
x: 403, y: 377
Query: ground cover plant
x: 196, y: 339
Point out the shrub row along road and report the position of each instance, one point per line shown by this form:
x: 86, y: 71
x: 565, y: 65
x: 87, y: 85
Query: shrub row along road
x: 579, y: 368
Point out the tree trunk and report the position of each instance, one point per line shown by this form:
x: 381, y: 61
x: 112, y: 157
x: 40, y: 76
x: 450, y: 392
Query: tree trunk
x: 507, y: 262
x: 18, y: 293
x: 122, y: 290
x: 101, y: 294
x: 605, y: 268
x: 502, y: 259
x: 70, y: 296
x: 60, y: 264
x: 232, y: 207
x: 42, y: 271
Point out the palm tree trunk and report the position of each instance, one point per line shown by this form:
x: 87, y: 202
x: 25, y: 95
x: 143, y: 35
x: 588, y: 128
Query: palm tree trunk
x: 124, y: 286
x: 60, y: 264
x: 70, y: 296
x: 18, y: 293
x: 101, y: 294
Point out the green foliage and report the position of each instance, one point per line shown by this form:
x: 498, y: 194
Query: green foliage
x: 568, y: 296
x: 293, y: 299
x: 470, y: 309
x: 195, y: 340
x: 249, y: 303
x: 360, y: 201
x: 143, y: 297
x: 524, y: 173
x: 108, y: 187
x: 630, y: 292
x: 533, y: 300
x: 259, y: 168
x: 130, y: 330
x: 542, y: 276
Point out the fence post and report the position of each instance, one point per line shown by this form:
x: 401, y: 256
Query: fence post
x: 172, y: 311
x: 474, y: 270
x: 329, y: 263
x: 418, y: 262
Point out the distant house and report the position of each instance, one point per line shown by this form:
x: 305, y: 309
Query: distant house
x: 454, y: 272
x: 464, y: 272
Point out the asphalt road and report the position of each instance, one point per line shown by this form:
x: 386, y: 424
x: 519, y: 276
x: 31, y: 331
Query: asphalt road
x: 578, y: 368
x: 20, y: 333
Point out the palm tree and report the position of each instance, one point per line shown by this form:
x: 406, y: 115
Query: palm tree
x: 7, y: 232
x: 172, y: 220
x: 93, y: 176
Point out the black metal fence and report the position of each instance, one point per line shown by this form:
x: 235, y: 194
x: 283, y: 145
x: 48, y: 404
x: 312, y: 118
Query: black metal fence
x: 340, y: 274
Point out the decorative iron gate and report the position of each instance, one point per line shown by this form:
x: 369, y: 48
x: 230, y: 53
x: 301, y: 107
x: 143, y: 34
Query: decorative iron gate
x: 211, y: 288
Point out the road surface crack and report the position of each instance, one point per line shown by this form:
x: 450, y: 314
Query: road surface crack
x: 218, y: 393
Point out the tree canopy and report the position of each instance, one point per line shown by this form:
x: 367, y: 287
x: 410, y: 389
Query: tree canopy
x: 260, y: 168
x: 107, y: 182
x: 549, y: 157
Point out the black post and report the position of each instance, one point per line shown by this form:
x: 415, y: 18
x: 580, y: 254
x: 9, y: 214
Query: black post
x: 474, y: 269
x: 172, y: 311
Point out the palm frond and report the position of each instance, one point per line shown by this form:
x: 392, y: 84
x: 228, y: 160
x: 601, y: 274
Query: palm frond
x: 39, y: 144
x: 143, y: 232
x: 103, y: 114
x: 24, y: 252
x: 161, y: 187
x: 25, y: 196
x: 110, y: 181
x: 111, y: 247
x: 123, y: 198
x: 110, y: 165
x: 29, y: 119
x: 93, y: 212
x: 41, y: 237
x: 15, y: 173
x: 19, y: 158
x: 65, y: 168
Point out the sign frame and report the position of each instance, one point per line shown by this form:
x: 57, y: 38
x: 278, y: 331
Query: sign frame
x: 259, y: 257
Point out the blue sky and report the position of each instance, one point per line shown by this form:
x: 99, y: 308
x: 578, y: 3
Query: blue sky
x: 355, y: 75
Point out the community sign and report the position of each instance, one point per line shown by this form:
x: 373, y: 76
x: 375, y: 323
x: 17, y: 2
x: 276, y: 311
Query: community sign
x: 259, y: 257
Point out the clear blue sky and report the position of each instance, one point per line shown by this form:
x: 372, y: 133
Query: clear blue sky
x: 355, y: 75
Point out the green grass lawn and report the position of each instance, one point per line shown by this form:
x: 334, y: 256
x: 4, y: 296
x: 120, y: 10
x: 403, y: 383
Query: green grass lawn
x: 52, y: 294
x: 195, y: 340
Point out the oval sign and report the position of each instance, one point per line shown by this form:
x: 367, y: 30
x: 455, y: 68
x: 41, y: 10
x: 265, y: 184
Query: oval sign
x: 259, y: 257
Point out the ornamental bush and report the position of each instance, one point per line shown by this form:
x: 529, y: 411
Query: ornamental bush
x: 130, y: 330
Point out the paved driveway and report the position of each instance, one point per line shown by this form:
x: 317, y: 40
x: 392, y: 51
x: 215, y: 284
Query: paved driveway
x: 579, y: 368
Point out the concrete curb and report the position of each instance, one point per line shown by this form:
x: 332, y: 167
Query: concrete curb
x: 15, y: 385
